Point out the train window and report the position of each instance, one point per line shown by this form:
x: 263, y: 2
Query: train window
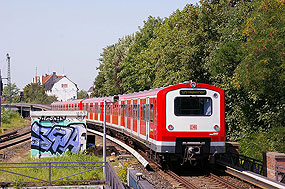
x: 151, y: 112
x: 91, y: 108
x: 138, y: 112
x: 147, y: 112
x: 119, y: 109
x: 193, y: 106
x: 143, y: 112
x: 122, y: 106
x: 135, y: 111
x: 114, y: 109
x: 129, y: 110
x: 125, y: 110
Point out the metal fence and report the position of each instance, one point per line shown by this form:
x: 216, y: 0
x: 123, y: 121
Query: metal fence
x: 244, y: 162
x: 112, y: 178
x: 47, y: 168
x: 280, y: 174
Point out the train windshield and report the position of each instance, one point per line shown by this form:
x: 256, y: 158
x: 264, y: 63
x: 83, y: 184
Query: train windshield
x: 193, y: 106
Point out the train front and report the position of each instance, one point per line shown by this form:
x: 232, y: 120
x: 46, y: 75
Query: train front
x: 191, y: 122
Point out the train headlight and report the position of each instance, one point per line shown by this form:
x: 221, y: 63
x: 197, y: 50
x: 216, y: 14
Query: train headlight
x: 217, y: 128
x: 170, y: 127
x: 193, y: 84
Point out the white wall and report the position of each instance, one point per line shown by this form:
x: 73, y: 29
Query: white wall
x: 64, y: 90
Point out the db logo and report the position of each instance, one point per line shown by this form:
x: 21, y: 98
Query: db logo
x: 193, y: 127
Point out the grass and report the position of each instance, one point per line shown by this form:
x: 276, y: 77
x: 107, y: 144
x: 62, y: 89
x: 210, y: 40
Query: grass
x: 121, y: 168
x: 56, y: 172
x: 11, y: 120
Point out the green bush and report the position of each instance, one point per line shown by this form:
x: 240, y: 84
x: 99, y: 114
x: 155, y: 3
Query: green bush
x: 8, y: 115
x: 262, y: 141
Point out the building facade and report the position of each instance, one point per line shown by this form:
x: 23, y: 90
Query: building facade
x: 60, y: 86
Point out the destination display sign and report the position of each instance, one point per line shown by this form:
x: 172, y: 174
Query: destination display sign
x: 193, y: 92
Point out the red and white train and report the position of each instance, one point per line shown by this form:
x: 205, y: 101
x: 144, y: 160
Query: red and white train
x: 183, y: 120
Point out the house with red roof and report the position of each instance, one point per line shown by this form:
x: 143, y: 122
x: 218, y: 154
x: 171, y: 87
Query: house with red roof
x: 60, y: 86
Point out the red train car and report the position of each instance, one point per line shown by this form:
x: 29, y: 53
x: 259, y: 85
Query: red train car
x: 181, y: 120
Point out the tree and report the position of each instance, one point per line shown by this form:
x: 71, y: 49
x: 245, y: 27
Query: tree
x: 14, y: 96
x: 35, y: 93
x: 236, y: 45
x: 107, y: 81
x: 82, y: 94
x: 137, y: 69
x: 261, y: 71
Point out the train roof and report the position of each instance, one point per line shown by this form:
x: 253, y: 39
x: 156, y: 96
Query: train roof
x: 68, y: 102
x: 148, y: 93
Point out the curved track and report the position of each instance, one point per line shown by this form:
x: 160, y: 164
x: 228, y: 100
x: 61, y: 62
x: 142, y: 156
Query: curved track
x: 14, y: 138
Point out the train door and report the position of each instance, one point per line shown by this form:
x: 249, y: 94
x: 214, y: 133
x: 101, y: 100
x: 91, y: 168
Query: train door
x: 96, y: 111
x: 152, y: 118
x: 135, y: 116
x: 129, y: 114
x: 147, y: 118
x: 142, y: 117
x: 119, y: 113
x: 108, y: 112
x: 123, y: 113
x: 101, y: 111
x: 138, y: 118
x: 91, y: 111
x: 87, y: 109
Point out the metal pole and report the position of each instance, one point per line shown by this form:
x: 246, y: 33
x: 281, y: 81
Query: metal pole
x: 104, y: 140
x: 0, y: 97
x: 49, y: 173
x: 9, y: 80
x: 22, y: 110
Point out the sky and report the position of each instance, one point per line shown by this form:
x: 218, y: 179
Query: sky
x: 68, y: 36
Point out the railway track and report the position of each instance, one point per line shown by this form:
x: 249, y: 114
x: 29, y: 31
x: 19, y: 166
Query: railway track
x: 14, y: 138
x: 208, y: 181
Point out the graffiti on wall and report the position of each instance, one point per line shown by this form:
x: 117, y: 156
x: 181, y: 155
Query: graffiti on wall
x: 55, y: 134
x: 58, y: 139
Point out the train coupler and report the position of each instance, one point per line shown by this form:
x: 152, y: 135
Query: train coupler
x: 191, y: 149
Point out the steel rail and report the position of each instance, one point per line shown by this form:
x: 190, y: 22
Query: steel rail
x: 179, y: 179
x: 253, y: 178
x: 23, y: 137
x: 223, y: 181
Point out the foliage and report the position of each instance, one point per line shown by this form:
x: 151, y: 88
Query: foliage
x: 14, y: 94
x: 107, y: 82
x: 82, y: 94
x: 35, y: 93
x: 7, y: 115
x: 137, y: 70
x: 238, y: 46
x: 253, y: 145
x: 11, y: 119
x: 59, y: 172
x: 122, y: 171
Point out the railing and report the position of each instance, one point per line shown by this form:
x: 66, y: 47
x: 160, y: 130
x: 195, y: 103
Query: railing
x: 10, y: 167
x: 112, y: 178
x: 280, y: 171
x: 244, y: 162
